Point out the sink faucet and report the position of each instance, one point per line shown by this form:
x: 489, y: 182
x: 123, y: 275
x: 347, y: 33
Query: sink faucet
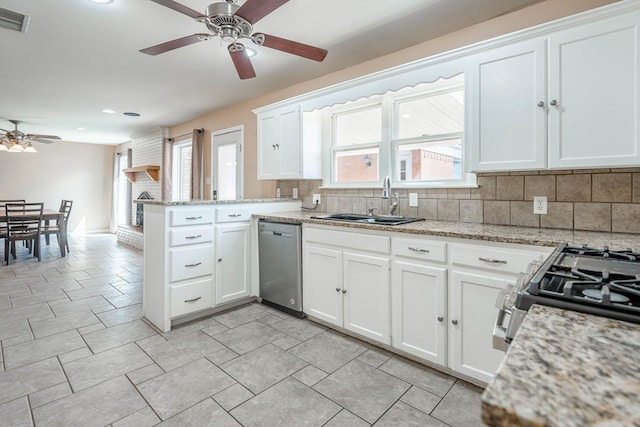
x: 386, y: 194
x: 386, y: 188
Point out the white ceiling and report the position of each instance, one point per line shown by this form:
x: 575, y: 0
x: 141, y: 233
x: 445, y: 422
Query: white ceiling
x: 78, y: 57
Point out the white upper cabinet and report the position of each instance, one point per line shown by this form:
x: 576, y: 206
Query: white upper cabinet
x: 281, y: 152
x: 593, y: 82
x: 568, y: 100
x: 509, y: 126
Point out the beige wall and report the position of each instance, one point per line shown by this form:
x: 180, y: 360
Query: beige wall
x: 47, y: 177
x: 240, y: 114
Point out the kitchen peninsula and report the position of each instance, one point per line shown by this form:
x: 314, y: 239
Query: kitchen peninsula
x: 567, y: 369
x: 200, y: 256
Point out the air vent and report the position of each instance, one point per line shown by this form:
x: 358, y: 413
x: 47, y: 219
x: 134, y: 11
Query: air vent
x: 13, y: 20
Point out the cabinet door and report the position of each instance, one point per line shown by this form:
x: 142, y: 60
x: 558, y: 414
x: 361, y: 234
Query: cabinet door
x: 594, y: 83
x: 508, y: 127
x: 418, y: 310
x: 267, y: 152
x: 322, y: 283
x: 232, y: 262
x: 289, y: 148
x: 472, y: 315
x: 366, y: 300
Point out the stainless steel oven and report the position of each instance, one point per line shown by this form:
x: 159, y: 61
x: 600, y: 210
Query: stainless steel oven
x: 596, y: 281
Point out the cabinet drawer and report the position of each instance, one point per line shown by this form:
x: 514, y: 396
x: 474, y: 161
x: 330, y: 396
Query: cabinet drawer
x: 232, y: 215
x: 190, y: 236
x: 343, y: 239
x: 509, y: 260
x: 185, y: 263
x: 184, y: 299
x: 179, y: 217
x: 419, y: 249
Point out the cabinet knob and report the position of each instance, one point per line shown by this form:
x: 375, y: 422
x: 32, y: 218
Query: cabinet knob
x: 219, y: 259
x: 440, y: 318
x: 337, y: 289
x: 278, y: 146
x: 273, y: 146
x: 540, y: 104
x: 344, y: 291
x: 554, y: 102
x: 454, y: 321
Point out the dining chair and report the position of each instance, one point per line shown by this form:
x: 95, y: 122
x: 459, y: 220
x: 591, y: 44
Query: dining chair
x: 49, y: 229
x: 3, y: 224
x: 24, y: 222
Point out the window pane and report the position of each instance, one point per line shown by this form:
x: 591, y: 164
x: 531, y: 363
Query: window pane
x: 357, y: 165
x: 434, y: 115
x: 430, y: 161
x: 359, y: 127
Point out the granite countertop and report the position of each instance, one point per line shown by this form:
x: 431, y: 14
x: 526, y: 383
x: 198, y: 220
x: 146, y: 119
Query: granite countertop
x: 567, y: 369
x: 492, y: 233
x: 210, y: 202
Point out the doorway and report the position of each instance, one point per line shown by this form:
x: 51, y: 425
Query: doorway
x: 227, y: 163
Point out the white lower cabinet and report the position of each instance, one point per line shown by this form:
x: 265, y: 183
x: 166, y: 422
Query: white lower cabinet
x: 346, y: 287
x: 418, y: 309
x: 232, y: 262
x: 472, y: 315
x: 437, y: 303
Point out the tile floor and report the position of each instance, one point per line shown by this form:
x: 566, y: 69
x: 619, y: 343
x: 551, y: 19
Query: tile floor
x: 75, y: 352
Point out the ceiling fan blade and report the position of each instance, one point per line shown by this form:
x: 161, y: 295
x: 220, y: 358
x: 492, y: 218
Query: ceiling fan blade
x: 44, y: 141
x: 175, y: 44
x: 255, y: 10
x: 178, y: 8
x: 294, y: 48
x: 36, y: 136
x: 241, y: 61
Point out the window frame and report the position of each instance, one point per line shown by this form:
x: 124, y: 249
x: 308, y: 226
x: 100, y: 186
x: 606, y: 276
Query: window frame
x: 176, y: 170
x: 388, y: 147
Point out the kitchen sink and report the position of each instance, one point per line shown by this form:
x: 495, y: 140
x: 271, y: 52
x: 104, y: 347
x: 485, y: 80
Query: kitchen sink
x: 369, y: 219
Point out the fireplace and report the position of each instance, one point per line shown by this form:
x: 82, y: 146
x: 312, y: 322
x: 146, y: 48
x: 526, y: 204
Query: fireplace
x: 140, y: 208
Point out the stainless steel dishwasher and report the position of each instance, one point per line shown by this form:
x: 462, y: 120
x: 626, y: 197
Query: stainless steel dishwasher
x: 280, y: 263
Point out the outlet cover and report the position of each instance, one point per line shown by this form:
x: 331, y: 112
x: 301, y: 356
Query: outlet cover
x: 413, y: 199
x: 316, y: 199
x: 295, y: 193
x: 540, y: 205
x: 278, y: 193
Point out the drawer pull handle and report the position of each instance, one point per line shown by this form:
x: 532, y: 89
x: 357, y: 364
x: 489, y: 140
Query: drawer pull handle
x: 193, y: 299
x: 193, y: 265
x: 194, y: 237
x: 191, y: 218
x: 493, y: 261
x: 424, y: 251
x: 234, y: 215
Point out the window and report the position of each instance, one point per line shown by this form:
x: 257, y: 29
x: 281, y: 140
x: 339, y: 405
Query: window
x: 227, y: 163
x: 414, y: 135
x: 181, y: 177
x: 357, y: 135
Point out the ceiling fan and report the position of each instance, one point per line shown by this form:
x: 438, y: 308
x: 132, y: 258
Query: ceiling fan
x: 16, y: 141
x: 232, y: 22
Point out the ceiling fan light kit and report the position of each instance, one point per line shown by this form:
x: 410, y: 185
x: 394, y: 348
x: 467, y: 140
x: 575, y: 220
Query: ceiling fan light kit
x: 15, y: 141
x: 232, y: 23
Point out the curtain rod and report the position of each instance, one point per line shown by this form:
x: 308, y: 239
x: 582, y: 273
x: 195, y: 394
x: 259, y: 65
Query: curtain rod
x: 186, y: 134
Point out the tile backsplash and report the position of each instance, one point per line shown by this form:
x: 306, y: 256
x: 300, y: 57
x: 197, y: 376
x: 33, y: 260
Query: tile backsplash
x: 592, y: 200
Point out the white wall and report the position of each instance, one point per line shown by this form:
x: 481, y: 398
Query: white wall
x: 63, y: 170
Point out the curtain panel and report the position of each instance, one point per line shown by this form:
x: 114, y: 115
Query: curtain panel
x: 167, y: 167
x: 197, y: 165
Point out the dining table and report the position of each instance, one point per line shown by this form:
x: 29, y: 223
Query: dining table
x: 48, y: 215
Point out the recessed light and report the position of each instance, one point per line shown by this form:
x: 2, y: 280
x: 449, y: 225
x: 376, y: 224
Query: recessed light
x: 102, y: 1
x: 108, y: 111
x: 131, y: 114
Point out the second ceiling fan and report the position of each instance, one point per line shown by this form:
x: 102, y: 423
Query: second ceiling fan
x: 232, y: 23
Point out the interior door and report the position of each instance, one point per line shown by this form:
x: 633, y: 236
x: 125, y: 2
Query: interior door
x: 228, y: 164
